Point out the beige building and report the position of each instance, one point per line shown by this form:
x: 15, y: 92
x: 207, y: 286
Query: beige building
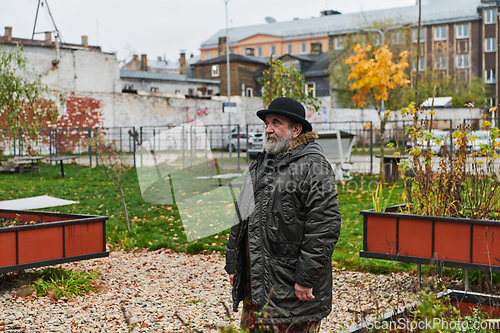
x: 457, y: 37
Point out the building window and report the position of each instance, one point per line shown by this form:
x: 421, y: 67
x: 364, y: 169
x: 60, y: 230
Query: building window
x: 177, y: 91
x: 421, y: 65
x: 190, y: 91
x: 210, y: 92
x: 259, y: 51
x: 207, y: 55
x: 339, y: 43
x: 249, y: 92
x: 440, y: 32
x: 154, y: 89
x: 303, y: 46
x: 490, y: 44
x: 231, y: 51
x: 273, y: 49
x: 441, y: 63
x: 310, y: 88
x: 398, y: 37
x: 489, y: 16
x: 289, y: 48
x: 462, y: 31
x: 462, y: 61
x: 422, y: 35
x: 215, y: 70
x: 490, y: 76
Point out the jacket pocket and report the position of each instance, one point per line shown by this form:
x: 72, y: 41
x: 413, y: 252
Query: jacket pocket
x: 282, y: 222
x: 283, y: 281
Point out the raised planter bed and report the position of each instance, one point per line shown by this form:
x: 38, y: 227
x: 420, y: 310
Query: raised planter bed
x: 55, y: 238
x: 452, y: 242
x: 463, y: 301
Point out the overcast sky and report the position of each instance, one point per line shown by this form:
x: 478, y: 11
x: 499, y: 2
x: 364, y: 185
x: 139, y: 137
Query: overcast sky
x: 162, y: 27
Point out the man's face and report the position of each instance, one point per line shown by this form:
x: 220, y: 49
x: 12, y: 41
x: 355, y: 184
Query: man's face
x: 277, y: 127
x: 278, y: 134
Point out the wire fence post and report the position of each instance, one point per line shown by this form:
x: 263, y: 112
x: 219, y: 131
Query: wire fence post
x: 248, y: 154
x: 140, y: 135
x: 184, y: 146
x: 50, y: 146
x: 133, y: 145
x: 239, y: 146
x: 96, y: 158
x: 451, y: 139
x: 20, y: 141
x: 371, y: 148
x: 192, y: 146
x: 90, y: 145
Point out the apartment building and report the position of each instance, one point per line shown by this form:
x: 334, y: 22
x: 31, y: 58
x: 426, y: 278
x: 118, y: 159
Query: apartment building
x: 458, y: 37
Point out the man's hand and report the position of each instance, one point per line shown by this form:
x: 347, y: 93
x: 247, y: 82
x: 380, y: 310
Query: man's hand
x: 302, y: 293
x: 231, y: 277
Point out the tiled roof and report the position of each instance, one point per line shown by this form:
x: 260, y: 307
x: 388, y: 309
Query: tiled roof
x: 438, y: 11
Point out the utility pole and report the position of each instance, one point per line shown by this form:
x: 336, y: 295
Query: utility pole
x: 228, y: 75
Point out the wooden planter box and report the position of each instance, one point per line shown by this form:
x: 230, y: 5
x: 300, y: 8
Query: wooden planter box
x: 59, y: 239
x: 452, y: 242
x: 465, y: 302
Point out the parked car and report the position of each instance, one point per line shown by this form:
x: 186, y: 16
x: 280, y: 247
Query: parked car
x: 480, y: 137
x: 230, y: 143
x: 443, y: 137
x: 436, y: 148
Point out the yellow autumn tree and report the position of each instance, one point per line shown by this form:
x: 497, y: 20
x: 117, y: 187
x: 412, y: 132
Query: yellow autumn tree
x: 375, y: 74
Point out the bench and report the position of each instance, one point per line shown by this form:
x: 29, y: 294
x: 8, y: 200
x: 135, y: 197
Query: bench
x: 19, y: 163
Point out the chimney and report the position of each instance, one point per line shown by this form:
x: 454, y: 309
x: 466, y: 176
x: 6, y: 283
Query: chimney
x: 48, y: 36
x: 222, y: 46
x: 144, y: 62
x: 8, y: 33
x: 85, y: 40
x: 330, y: 12
x: 182, y: 62
x: 249, y: 51
x: 160, y: 59
x: 316, y: 48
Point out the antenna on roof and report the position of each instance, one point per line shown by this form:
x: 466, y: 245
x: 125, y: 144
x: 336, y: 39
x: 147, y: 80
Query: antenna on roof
x: 270, y: 19
x: 40, y: 3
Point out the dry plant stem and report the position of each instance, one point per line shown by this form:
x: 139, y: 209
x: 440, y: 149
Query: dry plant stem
x: 124, y: 206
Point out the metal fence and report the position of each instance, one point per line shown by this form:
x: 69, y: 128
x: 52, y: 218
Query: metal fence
x: 189, y: 143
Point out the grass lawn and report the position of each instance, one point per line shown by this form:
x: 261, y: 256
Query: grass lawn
x: 158, y: 225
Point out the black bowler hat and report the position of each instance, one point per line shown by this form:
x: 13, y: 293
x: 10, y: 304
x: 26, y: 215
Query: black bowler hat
x: 287, y: 107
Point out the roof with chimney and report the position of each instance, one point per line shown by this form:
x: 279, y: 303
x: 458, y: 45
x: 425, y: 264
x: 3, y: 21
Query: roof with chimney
x: 144, y: 75
x: 234, y: 58
x: 437, y: 11
x: 7, y: 39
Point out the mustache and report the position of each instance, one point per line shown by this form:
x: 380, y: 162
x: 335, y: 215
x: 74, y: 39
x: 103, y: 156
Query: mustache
x: 272, y: 136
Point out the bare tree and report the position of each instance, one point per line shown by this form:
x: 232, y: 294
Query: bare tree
x: 116, y: 166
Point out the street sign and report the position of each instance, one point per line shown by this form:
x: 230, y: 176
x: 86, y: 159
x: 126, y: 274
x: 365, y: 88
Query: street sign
x: 229, y: 107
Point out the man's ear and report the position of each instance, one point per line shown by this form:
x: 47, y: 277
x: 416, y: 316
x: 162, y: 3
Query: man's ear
x: 297, y: 129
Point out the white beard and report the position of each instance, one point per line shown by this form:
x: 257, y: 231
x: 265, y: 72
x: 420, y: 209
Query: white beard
x: 280, y: 145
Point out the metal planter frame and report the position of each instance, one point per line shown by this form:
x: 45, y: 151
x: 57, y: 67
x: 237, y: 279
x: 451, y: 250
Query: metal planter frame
x: 59, y: 238
x: 431, y: 240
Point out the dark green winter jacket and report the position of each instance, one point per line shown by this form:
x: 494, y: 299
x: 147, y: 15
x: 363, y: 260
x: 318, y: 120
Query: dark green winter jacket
x: 293, y: 223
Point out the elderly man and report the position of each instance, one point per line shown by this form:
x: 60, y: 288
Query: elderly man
x: 278, y: 256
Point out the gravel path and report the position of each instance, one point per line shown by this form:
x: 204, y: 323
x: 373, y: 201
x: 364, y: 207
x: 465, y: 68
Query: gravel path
x: 162, y: 291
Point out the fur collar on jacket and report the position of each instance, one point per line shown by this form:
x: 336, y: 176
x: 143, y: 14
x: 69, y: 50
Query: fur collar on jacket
x: 301, y: 139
